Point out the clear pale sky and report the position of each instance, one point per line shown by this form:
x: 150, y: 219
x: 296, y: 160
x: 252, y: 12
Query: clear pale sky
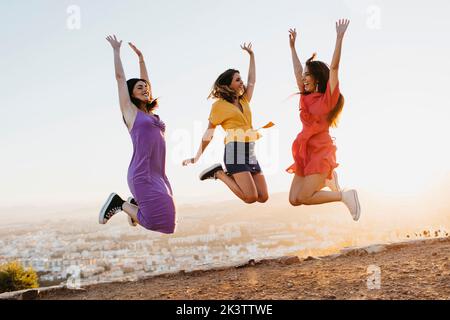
x: 62, y: 136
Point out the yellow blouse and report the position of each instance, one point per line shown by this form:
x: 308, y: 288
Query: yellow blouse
x: 237, y: 125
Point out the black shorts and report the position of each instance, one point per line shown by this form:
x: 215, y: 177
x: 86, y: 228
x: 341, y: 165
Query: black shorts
x: 240, y: 157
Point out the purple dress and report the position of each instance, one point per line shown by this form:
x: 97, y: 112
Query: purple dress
x: 147, y: 178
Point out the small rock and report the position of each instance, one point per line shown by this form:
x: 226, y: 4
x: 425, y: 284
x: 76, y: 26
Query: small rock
x: 310, y: 258
x: 357, y: 253
x: 20, y: 295
x: 289, y: 260
x: 375, y: 249
x: 30, y: 295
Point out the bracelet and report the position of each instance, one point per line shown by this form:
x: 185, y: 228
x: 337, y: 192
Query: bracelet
x: 142, y: 61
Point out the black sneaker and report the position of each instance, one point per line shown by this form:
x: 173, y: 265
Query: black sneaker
x: 112, y: 206
x: 210, y: 173
x: 131, y: 222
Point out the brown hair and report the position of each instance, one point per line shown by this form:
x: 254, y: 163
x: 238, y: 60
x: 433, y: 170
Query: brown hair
x: 147, y: 107
x: 321, y: 73
x: 221, y: 88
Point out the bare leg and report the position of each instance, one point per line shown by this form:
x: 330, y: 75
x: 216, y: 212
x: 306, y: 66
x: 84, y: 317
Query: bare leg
x: 131, y: 210
x: 241, y: 184
x: 231, y: 183
x: 261, y: 187
x: 245, y: 182
x: 305, y: 190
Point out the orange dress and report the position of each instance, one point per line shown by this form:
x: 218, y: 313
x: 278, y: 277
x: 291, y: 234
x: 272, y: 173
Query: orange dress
x: 313, y: 149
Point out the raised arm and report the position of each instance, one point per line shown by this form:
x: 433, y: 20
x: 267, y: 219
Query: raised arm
x: 142, y: 66
x: 251, y: 72
x: 341, y: 28
x: 206, y: 139
x: 126, y: 106
x: 298, y: 68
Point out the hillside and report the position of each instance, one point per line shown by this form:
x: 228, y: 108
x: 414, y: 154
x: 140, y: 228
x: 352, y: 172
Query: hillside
x: 417, y: 269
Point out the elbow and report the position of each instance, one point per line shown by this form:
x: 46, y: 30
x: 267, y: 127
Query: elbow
x: 207, y: 137
x: 119, y: 77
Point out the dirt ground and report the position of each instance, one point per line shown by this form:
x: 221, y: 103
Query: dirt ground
x: 414, y: 270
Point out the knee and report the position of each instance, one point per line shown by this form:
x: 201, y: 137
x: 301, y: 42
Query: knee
x: 294, y: 202
x: 163, y: 230
x: 250, y: 198
x: 169, y: 231
x: 299, y: 200
x: 304, y: 199
x: 263, y: 198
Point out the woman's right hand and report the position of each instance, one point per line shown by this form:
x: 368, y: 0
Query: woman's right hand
x: 292, y: 37
x: 341, y: 27
x: 114, y: 42
x: 189, y: 161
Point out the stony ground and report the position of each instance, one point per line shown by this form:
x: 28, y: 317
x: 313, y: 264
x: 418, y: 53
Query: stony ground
x: 415, y: 270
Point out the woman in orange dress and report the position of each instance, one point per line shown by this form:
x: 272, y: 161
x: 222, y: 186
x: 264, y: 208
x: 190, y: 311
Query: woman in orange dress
x: 313, y: 150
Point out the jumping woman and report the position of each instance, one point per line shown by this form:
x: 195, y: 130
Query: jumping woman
x: 231, y: 110
x: 313, y: 150
x: 153, y: 206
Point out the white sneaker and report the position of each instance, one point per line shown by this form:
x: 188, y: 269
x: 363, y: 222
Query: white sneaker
x: 350, y: 199
x: 333, y: 184
x: 131, y: 222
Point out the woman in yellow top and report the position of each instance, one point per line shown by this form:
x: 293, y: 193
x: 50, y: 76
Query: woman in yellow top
x: 232, y: 111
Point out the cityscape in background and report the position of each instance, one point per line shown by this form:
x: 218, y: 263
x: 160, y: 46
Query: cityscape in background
x: 76, y: 250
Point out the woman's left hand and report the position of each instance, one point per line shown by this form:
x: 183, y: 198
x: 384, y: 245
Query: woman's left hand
x: 138, y: 52
x: 248, y: 48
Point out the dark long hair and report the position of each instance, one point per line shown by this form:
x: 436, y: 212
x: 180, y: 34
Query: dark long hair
x: 221, y: 88
x: 146, y: 107
x: 321, y: 73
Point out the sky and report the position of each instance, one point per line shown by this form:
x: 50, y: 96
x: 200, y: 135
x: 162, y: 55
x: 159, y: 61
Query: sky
x: 63, y: 141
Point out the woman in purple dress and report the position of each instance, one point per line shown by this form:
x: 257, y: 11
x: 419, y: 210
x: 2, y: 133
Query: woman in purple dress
x: 153, y: 206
